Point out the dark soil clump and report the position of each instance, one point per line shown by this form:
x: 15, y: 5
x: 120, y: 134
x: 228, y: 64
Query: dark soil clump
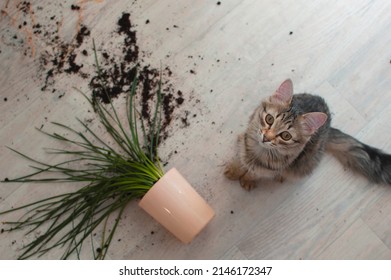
x: 83, y: 32
x: 75, y: 7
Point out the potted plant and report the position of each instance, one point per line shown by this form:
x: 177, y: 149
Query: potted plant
x: 113, y: 177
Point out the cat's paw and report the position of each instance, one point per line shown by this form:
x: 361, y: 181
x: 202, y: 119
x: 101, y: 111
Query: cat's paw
x: 232, y: 171
x: 248, y: 185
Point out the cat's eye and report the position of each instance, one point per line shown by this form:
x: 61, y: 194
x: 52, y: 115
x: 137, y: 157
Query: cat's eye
x: 269, y: 119
x: 286, y: 136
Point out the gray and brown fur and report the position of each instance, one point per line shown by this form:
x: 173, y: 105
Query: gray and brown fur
x: 294, y: 140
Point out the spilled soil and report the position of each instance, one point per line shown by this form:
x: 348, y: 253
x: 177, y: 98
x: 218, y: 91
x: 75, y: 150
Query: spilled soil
x: 119, y: 74
x: 117, y: 71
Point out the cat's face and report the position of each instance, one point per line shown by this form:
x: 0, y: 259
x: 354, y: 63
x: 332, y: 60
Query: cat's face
x: 274, y: 126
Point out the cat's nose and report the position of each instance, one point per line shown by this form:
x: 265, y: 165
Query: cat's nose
x: 265, y: 139
x: 268, y: 136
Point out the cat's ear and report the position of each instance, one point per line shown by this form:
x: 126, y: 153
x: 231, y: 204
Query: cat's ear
x: 311, y: 122
x: 284, y: 93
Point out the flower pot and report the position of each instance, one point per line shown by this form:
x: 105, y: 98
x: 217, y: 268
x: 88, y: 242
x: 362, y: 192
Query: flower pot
x: 174, y: 203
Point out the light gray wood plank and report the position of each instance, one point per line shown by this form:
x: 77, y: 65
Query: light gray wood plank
x: 378, y: 219
x: 358, y: 242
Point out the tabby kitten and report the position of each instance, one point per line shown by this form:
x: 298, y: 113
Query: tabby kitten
x: 287, y: 136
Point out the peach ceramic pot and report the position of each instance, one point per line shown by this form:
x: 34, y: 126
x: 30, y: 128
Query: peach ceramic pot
x: 174, y: 203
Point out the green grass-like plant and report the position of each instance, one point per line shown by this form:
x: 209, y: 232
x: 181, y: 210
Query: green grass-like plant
x: 113, y: 176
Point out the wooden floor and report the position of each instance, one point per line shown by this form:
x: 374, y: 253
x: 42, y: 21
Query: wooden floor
x: 225, y: 56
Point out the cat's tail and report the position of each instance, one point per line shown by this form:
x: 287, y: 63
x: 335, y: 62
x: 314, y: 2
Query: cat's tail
x: 364, y: 159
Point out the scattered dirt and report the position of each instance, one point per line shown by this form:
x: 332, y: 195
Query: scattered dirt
x: 119, y: 74
x: 118, y: 71
x: 38, y: 36
x: 75, y: 7
x: 24, y: 7
x: 61, y: 58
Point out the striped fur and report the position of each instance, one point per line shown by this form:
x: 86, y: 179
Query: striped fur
x: 361, y: 158
x: 287, y: 136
